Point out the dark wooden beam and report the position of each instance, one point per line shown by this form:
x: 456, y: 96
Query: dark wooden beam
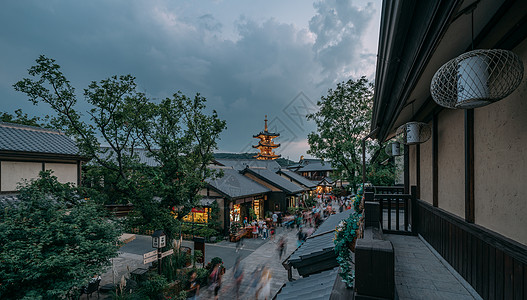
x: 418, y: 170
x: 406, y: 169
x: 435, y: 167
x: 469, y: 165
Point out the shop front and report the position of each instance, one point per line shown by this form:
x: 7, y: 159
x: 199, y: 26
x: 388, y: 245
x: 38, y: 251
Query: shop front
x: 249, y: 207
x: 200, y: 215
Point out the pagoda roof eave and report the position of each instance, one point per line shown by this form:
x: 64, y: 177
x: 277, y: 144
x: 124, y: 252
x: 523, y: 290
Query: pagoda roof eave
x: 267, y: 156
x: 263, y: 145
x: 265, y: 133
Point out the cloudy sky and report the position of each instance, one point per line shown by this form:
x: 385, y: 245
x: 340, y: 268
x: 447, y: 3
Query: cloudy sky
x: 248, y: 58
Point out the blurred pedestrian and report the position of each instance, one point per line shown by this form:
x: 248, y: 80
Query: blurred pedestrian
x: 193, y: 290
x: 282, y: 246
x: 264, y: 291
x: 215, y: 278
x: 238, y: 276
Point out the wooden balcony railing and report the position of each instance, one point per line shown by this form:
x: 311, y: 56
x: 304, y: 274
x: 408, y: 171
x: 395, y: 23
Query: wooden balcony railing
x: 396, y: 210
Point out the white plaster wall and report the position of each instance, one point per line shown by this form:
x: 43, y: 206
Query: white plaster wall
x: 426, y: 170
x: 500, y: 183
x: 65, y: 173
x: 14, y: 172
x: 451, y: 161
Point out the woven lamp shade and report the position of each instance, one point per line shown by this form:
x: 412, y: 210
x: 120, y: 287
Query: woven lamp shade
x: 393, y: 149
x: 477, y: 78
x: 413, y: 133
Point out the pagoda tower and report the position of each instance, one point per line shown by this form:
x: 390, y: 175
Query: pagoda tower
x: 266, y: 144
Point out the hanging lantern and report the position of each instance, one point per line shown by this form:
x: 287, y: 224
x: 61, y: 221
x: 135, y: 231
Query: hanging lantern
x: 393, y: 149
x: 413, y: 133
x: 477, y: 78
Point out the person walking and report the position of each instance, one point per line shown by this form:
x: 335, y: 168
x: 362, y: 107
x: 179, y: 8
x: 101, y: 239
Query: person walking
x: 238, y: 276
x: 282, y: 246
x: 265, y: 231
x: 264, y: 290
x: 215, y: 278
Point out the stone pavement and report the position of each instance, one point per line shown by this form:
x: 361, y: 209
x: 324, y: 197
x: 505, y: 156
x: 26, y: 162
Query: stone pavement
x: 267, y: 255
x: 420, y: 274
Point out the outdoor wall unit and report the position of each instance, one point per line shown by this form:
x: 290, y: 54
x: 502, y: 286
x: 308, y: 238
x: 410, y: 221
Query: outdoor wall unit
x: 477, y: 78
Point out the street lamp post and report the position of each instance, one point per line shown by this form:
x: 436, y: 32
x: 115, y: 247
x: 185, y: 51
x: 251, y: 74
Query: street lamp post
x: 159, y: 241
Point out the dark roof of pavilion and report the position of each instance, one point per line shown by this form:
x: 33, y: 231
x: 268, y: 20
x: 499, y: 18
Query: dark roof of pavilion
x: 266, y: 133
x: 234, y: 185
x: 321, y: 241
x: 298, y: 178
x: 275, y: 179
x: 30, y: 139
x: 312, y: 165
x: 316, y: 286
x: 240, y: 164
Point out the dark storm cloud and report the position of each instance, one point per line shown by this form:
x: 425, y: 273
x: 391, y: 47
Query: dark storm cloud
x: 256, y: 71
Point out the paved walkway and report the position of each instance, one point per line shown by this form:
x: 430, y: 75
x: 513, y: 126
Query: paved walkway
x: 419, y: 274
x: 265, y: 255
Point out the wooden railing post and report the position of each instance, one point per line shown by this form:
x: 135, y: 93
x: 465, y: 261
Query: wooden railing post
x: 414, y: 210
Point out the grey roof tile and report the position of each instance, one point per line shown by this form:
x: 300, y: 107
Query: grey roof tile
x: 321, y: 240
x: 310, y: 165
x: 276, y: 180
x: 22, y: 138
x: 316, y: 286
x: 234, y: 184
x: 298, y: 178
x: 240, y: 164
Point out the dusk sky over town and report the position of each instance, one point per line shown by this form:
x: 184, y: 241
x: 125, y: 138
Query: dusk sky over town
x: 248, y: 58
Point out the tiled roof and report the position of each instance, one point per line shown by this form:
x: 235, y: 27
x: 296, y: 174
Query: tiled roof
x: 298, y: 178
x: 142, y: 154
x: 276, y: 180
x: 315, y: 165
x: 240, y: 164
x: 333, y: 220
x: 321, y: 241
x: 234, y: 184
x: 317, y: 286
x: 22, y: 138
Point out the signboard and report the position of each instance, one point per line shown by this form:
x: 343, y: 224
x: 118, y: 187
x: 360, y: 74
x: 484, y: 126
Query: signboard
x: 167, y: 253
x: 151, y: 253
x: 149, y: 260
x: 198, y: 210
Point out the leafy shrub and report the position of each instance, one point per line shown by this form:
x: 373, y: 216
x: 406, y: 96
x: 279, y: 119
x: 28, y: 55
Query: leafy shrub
x: 152, y: 287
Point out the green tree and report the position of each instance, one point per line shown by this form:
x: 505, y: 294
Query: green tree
x: 117, y: 111
x: 177, y: 133
x: 342, y: 121
x: 182, y: 137
x: 22, y: 118
x: 51, y: 242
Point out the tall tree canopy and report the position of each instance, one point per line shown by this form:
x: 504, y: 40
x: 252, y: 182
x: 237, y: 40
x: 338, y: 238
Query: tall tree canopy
x: 177, y: 132
x: 22, y: 118
x: 343, y: 120
x: 51, y: 243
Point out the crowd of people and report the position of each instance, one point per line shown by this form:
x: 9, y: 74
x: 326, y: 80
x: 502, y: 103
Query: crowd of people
x: 258, y: 282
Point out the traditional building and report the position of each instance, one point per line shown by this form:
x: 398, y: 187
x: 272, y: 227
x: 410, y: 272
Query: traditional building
x: 470, y: 175
x: 266, y: 144
x: 284, y: 193
x: 27, y: 150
